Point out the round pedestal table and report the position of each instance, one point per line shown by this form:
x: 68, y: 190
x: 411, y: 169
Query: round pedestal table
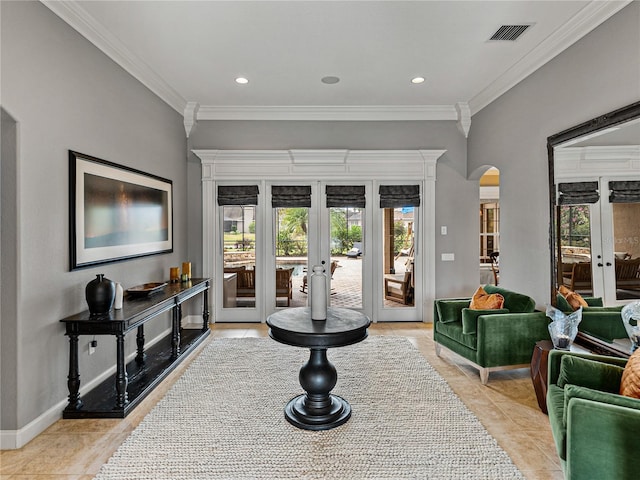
x: 318, y: 409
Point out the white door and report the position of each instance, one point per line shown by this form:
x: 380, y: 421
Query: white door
x: 604, y: 237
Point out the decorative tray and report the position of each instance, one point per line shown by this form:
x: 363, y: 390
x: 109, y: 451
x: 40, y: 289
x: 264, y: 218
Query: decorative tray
x: 146, y: 289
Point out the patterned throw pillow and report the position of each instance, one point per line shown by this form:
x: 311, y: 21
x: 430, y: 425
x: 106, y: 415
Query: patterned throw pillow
x: 483, y: 301
x: 630, y: 383
x: 574, y: 299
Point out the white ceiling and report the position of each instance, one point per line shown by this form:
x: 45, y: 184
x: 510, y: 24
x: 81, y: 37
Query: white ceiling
x: 190, y: 52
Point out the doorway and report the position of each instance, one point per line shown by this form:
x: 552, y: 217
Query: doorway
x: 599, y: 238
x: 338, y: 222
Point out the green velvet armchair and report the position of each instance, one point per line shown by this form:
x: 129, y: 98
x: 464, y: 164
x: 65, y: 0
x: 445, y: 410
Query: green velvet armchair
x: 595, y: 430
x: 602, y: 322
x: 490, y: 340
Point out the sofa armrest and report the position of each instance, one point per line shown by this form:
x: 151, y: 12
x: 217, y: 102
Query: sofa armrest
x: 509, y: 338
x: 470, y: 318
x: 555, y: 357
x: 450, y: 310
x: 601, y: 440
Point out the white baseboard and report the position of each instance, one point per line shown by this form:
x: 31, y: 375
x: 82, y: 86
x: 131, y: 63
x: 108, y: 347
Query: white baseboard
x: 13, y: 439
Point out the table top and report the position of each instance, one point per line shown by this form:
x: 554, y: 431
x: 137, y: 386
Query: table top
x: 134, y: 307
x: 293, y: 326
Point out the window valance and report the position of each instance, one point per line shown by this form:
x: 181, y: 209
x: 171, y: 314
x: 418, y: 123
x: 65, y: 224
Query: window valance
x: 396, y: 196
x: 624, y: 192
x: 578, y: 193
x: 343, y: 196
x: 291, y: 196
x: 238, y: 194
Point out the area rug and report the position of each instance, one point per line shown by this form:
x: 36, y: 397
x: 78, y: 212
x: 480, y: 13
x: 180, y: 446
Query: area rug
x: 223, y: 419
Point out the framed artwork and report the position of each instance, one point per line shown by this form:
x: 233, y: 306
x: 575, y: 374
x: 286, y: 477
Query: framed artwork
x: 116, y: 213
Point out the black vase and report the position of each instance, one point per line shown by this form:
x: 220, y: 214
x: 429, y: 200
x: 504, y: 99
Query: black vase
x: 100, y: 294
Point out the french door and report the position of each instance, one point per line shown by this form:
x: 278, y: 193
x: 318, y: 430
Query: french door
x: 600, y: 239
x: 269, y: 243
x: 375, y: 237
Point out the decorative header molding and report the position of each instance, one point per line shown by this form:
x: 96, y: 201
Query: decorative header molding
x: 573, y: 163
x: 299, y: 164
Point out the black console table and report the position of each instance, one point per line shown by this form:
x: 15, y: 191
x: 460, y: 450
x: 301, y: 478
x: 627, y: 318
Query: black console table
x: 133, y: 382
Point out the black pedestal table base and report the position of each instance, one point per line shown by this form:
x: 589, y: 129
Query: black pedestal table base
x: 318, y: 409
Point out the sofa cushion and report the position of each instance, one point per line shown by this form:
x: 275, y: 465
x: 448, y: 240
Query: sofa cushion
x: 575, y: 391
x: 589, y: 373
x: 470, y: 318
x: 453, y: 330
x: 573, y: 299
x: 451, y: 310
x: 481, y: 300
x: 630, y: 383
x: 514, y: 302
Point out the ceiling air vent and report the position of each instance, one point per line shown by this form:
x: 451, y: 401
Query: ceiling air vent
x: 509, y: 33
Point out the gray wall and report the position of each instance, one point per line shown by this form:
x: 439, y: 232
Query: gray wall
x: 65, y: 94
x: 8, y: 268
x: 598, y: 74
x: 457, y: 199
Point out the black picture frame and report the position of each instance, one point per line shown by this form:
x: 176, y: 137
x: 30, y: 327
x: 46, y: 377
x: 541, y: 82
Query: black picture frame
x: 116, y: 213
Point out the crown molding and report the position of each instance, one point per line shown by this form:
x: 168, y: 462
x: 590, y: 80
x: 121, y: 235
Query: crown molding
x: 329, y: 112
x: 582, y: 23
x: 88, y: 27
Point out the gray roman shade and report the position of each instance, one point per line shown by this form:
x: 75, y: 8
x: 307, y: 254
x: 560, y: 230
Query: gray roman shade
x: 624, y: 192
x: 396, y: 196
x: 291, y: 196
x: 342, y: 196
x: 237, y: 194
x: 578, y: 193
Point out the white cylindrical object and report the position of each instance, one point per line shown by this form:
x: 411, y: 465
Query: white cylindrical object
x: 117, y: 303
x: 318, y: 293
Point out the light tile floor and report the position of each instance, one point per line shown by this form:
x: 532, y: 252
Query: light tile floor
x: 507, y: 407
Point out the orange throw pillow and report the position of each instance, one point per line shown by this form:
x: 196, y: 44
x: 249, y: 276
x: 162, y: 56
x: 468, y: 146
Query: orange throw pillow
x: 573, y: 298
x: 630, y: 383
x: 483, y: 301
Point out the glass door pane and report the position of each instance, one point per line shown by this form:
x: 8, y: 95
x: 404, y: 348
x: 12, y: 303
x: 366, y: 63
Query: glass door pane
x: 398, y: 256
x: 626, y: 246
x: 291, y: 256
x: 240, y: 278
x: 346, y: 225
x: 575, y: 245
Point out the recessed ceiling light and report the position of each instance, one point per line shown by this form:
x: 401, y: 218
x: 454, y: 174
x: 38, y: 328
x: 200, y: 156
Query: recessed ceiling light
x: 329, y: 80
x: 417, y: 80
x: 242, y: 80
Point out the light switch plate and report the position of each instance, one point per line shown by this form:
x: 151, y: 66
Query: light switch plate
x: 448, y: 257
x: 443, y: 230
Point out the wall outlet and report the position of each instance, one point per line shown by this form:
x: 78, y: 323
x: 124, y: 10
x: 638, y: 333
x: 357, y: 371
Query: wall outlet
x: 448, y: 257
x: 92, y: 346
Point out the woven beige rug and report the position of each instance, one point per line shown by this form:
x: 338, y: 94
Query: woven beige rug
x: 223, y: 419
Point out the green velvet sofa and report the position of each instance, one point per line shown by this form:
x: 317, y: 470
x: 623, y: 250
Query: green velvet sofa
x: 604, y: 323
x: 490, y: 340
x: 595, y: 430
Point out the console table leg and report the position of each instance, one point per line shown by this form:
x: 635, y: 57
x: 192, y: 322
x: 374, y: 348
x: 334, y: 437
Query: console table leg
x: 175, y: 331
x: 121, y: 373
x: 73, y: 380
x: 141, y: 356
x: 205, y: 311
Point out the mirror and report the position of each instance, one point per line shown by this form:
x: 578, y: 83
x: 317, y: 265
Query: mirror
x: 594, y: 206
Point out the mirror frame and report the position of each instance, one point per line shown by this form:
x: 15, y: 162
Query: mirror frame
x: 608, y: 120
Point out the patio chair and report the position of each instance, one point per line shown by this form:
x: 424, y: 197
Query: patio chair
x: 356, y: 251
x: 284, y: 285
x: 399, y: 290
x: 334, y: 265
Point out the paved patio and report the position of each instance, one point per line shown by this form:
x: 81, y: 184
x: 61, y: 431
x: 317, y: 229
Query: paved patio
x: 346, y: 284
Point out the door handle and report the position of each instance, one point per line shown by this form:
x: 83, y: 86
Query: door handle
x: 608, y: 264
x: 599, y: 264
